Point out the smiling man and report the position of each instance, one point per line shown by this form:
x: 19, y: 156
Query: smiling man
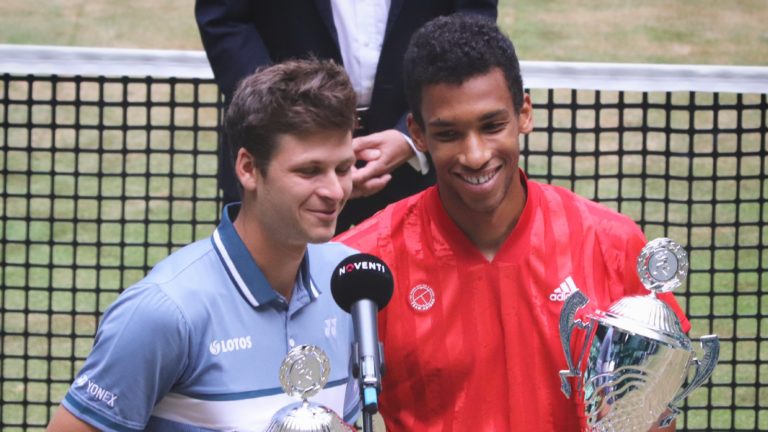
x: 481, y: 260
x: 197, y: 344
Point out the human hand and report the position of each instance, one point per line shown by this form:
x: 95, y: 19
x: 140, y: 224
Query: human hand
x: 383, y: 152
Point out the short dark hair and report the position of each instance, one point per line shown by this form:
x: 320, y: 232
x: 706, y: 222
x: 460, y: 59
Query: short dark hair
x: 297, y: 97
x: 454, y: 48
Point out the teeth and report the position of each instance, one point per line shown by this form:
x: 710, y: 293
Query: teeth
x: 480, y: 179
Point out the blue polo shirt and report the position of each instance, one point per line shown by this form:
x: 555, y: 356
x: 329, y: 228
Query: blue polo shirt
x: 197, y: 344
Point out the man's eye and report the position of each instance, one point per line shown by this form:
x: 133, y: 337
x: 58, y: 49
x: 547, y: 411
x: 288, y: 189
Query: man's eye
x: 495, y: 127
x: 344, y: 169
x: 446, y: 135
x: 308, y: 171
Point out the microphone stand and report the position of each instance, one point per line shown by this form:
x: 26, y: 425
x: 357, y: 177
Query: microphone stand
x: 368, y: 391
x: 367, y: 422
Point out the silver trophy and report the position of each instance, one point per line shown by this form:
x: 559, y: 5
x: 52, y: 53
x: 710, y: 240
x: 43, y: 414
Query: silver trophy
x: 638, y: 356
x: 303, y: 373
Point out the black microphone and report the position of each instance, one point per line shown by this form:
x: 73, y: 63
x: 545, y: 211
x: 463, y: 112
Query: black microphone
x: 362, y: 285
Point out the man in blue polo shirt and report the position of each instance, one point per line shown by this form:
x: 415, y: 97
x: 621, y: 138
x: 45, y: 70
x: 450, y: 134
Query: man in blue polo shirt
x: 197, y: 344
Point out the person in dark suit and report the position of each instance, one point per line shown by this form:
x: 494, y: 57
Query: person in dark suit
x: 242, y: 35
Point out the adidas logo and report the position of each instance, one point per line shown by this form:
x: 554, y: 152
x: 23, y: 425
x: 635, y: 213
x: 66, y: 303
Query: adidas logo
x: 564, y: 290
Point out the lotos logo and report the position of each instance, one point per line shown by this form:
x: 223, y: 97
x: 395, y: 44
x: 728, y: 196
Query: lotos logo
x: 226, y: 345
x: 362, y: 265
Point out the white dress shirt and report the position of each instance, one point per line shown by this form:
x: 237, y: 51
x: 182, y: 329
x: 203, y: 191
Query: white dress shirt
x: 360, y: 25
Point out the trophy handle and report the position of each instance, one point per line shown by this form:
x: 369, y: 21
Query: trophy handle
x: 704, y: 368
x: 573, y: 303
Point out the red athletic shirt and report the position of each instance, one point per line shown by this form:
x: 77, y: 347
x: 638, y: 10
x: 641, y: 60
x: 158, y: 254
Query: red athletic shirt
x: 472, y: 345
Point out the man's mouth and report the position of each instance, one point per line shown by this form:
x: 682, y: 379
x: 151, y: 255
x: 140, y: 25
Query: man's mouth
x: 482, y: 178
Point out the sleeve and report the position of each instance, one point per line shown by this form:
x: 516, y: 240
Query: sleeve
x: 139, y: 352
x: 231, y: 40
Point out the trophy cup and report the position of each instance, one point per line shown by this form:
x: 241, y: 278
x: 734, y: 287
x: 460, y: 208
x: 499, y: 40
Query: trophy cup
x: 303, y: 373
x: 638, y: 356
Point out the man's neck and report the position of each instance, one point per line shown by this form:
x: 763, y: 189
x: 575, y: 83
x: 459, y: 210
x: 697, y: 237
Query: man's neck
x: 278, y: 261
x: 489, y: 230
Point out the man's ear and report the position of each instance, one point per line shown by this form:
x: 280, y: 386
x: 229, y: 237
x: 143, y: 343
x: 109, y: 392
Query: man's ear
x: 417, y: 134
x: 525, y: 117
x: 247, y: 170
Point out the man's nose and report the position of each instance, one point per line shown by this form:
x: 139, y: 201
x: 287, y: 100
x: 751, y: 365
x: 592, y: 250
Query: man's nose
x: 475, y: 153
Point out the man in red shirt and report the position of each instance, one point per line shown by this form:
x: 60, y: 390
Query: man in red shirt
x: 483, y: 261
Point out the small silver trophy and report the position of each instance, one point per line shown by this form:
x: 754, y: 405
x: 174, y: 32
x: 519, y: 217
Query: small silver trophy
x: 639, y: 357
x: 303, y: 373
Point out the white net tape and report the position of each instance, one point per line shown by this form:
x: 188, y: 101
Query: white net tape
x: 71, y: 61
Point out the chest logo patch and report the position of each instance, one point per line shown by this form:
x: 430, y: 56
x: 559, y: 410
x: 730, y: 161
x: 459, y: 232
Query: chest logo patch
x: 563, y: 291
x: 422, y: 297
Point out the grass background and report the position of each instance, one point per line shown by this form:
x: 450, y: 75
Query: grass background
x: 651, y: 31
x: 65, y: 251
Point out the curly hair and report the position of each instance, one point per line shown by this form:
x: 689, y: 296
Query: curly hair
x: 454, y: 48
x: 297, y: 97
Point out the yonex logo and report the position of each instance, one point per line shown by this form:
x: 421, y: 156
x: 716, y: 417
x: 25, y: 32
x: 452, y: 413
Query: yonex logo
x: 226, y: 345
x: 96, y: 392
x: 564, y: 290
x: 81, y: 380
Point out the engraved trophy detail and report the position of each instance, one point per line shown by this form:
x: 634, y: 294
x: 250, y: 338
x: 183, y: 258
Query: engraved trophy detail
x: 303, y: 373
x: 638, y: 357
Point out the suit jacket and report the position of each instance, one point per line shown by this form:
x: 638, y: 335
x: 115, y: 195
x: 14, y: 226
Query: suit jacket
x: 241, y: 35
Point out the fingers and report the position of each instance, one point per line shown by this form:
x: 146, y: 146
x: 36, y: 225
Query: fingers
x: 370, y: 186
x: 368, y: 155
x: 382, y: 153
x: 361, y: 143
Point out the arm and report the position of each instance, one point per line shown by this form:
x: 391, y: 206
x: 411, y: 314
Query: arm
x: 232, y: 43
x: 64, y: 421
x: 129, y: 371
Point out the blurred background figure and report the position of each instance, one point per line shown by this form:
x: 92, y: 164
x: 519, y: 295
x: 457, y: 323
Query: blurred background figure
x: 369, y: 38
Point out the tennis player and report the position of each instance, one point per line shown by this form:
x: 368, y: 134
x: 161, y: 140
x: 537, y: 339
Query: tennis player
x: 197, y: 344
x: 483, y: 261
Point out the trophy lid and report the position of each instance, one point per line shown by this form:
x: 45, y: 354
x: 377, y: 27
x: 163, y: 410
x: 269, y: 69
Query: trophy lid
x: 662, y: 267
x: 303, y: 373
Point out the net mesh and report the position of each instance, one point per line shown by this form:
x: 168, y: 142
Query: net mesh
x: 101, y: 178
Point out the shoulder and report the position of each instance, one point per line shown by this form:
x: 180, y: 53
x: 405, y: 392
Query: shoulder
x: 597, y: 228
x: 390, y: 222
x: 566, y: 205
x: 182, y: 261
x: 183, y: 286
x: 190, y: 274
x: 144, y: 308
x: 323, y: 259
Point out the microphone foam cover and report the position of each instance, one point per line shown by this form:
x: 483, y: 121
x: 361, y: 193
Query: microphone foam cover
x: 361, y: 276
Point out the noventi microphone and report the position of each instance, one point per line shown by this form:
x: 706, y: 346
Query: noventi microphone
x: 362, y: 285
